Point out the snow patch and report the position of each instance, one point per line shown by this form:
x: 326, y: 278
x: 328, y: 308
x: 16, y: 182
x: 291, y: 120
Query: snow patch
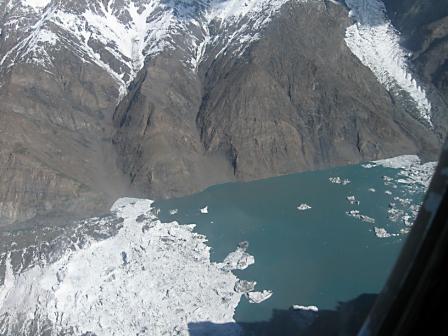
x: 303, y: 207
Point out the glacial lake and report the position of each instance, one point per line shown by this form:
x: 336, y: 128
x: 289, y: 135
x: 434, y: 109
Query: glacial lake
x: 320, y: 256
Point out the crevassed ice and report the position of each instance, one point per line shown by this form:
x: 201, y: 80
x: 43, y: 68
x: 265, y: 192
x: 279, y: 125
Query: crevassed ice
x: 375, y: 42
x: 151, y: 278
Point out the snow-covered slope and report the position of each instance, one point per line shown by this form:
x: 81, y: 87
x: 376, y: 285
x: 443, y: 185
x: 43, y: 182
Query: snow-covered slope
x: 150, y: 278
x: 118, y: 35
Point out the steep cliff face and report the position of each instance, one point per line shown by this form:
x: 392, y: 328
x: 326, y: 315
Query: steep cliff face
x: 55, y: 122
x: 295, y: 100
x: 101, y: 99
x: 300, y: 100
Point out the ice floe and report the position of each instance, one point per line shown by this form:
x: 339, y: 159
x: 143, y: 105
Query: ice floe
x: 357, y: 214
x: 238, y: 260
x: 339, y: 180
x: 258, y: 297
x: 412, y: 177
x: 303, y: 207
x: 411, y: 169
x: 204, y: 210
x: 382, y: 233
x: 306, y: 308
x: 353, y: 200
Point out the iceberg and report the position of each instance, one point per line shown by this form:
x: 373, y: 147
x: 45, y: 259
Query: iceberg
x: 258, y: 297
x: 303, y: 207
x: 339, y: 180
x: 306, y: 308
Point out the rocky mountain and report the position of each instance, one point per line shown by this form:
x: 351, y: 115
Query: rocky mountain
x: 158, y: 98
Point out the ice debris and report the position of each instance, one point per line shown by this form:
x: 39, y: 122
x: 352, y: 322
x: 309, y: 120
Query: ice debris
x: 356, y: 214
x: 339, y: 180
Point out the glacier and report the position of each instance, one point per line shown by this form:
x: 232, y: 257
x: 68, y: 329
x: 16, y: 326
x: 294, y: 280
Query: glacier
x: 374, y: 40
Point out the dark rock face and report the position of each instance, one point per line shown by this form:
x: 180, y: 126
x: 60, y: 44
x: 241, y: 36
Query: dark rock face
x: 294, y: 100
x: 55, y: 136
x: 300, y: 100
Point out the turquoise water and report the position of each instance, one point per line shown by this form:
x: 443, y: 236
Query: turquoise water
x: 316, y: 257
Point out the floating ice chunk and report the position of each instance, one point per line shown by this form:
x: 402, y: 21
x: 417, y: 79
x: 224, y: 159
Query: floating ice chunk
x: 339, y: 180
x: 352, y: 200
x: 174, y: 212
x: 204, y: 210
x: 238, y: 260
x: 407, y: 220
x: 258, y: 297
x: 405, y: 230
x: 372, y: 189
x: 306, y: 308
x: 369, y: 165
x: 388, y: 192
x: 303, y: 207
x: 382, y: 233
x: 356, y: 214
